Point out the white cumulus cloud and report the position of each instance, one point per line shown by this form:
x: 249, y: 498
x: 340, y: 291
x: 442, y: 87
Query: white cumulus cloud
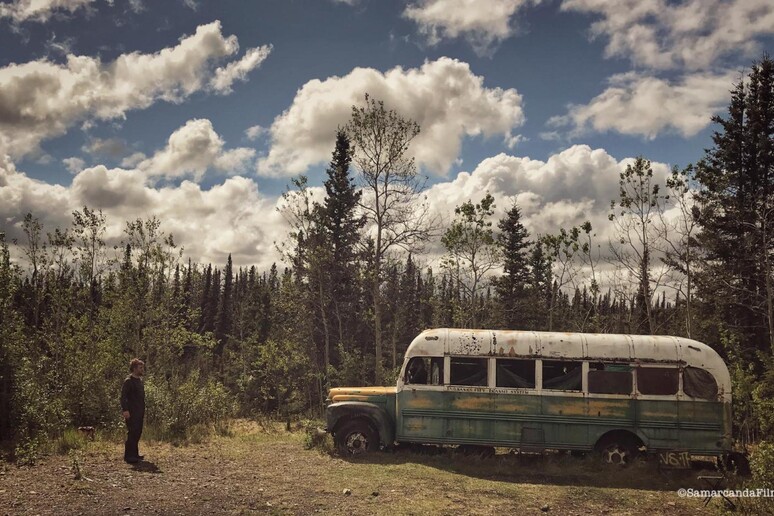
x: 638, y: 104
x: 686, y: 34
x: 483, y: 23
x: 39, y: 10
x: 444, y: 97
x: 41, y: 99
x: 193, y: 149
x: 234, y: 215
x: 571, y: 187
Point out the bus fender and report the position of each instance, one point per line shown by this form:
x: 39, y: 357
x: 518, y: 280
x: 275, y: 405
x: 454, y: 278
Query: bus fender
x: 337, y: 413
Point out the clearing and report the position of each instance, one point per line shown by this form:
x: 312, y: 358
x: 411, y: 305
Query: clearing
x: 263, y: 469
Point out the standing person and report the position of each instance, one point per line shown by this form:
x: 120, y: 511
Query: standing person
x: 133, y: 409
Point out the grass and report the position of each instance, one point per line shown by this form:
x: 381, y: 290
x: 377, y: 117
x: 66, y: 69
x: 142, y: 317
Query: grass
x: 259, y: 466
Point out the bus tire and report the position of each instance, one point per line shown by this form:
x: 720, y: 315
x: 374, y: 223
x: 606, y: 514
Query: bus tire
x: 356, y: 437
x: 618, y: 449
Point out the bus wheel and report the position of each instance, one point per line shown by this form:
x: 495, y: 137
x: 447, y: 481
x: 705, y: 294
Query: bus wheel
x: 356, y: 438
x: 619, y: 451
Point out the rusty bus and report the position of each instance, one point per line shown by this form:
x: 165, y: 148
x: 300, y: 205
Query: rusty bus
x: 618, y: 395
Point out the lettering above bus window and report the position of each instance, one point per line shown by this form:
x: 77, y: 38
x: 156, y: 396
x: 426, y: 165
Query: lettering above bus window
x: 468, y: 371
x: 699, y: 383
x: 516, y: 373
x: 657, y: 380
x: 610, y: 379
x: 562, y: 376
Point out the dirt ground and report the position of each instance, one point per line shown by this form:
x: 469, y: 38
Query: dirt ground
x: 256, y: 470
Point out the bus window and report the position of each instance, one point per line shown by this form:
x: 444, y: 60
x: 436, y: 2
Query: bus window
x: 416, y: 372
x: 562, y: 376
x: 468, y: 371
x: 436, y: 371
x: 657, y: 380
x: 610, y: 379
x: 698, y: 383
x: 516, y: 373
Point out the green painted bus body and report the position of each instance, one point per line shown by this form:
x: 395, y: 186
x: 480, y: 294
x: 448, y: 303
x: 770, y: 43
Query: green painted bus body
x: 530, y: 421
x: 476, y: 406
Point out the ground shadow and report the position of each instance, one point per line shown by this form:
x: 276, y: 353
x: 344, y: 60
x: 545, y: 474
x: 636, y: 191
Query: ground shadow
x: 550, y: 468
x: 145, y: 466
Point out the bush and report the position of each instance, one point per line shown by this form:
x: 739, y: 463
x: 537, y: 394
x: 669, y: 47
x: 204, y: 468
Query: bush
x: 39, y: 411
x: 175, y: 406
x: 72, y: 439
x: 762, y: 465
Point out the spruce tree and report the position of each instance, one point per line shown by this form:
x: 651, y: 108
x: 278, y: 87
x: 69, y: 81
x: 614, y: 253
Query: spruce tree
x: 511, y: 286
x: 737, y: 212
x: 225, y: 316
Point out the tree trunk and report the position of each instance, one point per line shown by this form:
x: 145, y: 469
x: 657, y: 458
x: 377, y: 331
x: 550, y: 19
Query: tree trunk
x: 377, y: 332
x: 327, y: 348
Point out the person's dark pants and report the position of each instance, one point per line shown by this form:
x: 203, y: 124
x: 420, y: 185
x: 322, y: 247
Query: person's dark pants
x: 134, y: 427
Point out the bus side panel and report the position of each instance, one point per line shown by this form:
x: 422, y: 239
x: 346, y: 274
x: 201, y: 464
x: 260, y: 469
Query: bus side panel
x: 515, y: 422
x: 470, y: 416
x: 565, y: 424
x: 658, y: 422
x: 701, y: 427
x: 606, y: 414
x: 421, y: 415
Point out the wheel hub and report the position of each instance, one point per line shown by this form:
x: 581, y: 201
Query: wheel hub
x: 616, y: 455
x: 357, y: 443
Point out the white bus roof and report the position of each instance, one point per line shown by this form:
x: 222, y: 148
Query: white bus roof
x: 580, y: 346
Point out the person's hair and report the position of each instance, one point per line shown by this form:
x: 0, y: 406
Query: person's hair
x: 134, y: 363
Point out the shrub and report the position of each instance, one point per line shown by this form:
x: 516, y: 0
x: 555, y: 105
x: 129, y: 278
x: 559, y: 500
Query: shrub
x: 176, y: 405
x: 72, y: 439
x: 762, y: 465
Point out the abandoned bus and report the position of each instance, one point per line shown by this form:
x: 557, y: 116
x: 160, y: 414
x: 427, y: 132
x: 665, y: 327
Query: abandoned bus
x: 616, y: 394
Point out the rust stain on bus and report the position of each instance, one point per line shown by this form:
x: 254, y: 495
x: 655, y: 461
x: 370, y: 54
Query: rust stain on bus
x: 365, y: 391
x: 472, y: 403
x: 346, y: 397
x: 607, y: 408
x: 423, y: 402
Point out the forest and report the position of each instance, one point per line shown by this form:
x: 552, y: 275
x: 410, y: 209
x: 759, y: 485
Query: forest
x: 692, y: 256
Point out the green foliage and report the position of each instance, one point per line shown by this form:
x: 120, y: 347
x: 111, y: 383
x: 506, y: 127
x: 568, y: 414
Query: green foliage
x: 39, y: 411
x: 76, y: 465
x: 71, y: 439
x: 762, y: 464
x: 763, y: 400
x: 472, y: 252
x: 314, y: 438
x: 282, y: 374
x: 178, y: 407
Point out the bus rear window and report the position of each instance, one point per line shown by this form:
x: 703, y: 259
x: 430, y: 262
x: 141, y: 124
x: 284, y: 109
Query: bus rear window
x: 699, y: 383
x: 610, y: 379
x: 516, y: 373
x: 562, y: 376
x: 468, y: 371
x: 657, y: 380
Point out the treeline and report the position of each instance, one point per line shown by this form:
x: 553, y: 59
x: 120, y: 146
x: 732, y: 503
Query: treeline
x: 691, y: 256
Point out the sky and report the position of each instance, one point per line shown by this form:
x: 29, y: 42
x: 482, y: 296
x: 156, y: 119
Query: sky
x: 200, y: 112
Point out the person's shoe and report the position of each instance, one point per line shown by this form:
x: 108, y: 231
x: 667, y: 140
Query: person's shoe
x: 132, y: 460
x: 141, y: 457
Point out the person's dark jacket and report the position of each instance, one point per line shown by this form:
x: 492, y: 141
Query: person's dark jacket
x: 133, y: 397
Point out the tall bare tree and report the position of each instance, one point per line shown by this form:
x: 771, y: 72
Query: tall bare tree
x: 634, y: 215
x: 397, y: 218
x: 472, y: 253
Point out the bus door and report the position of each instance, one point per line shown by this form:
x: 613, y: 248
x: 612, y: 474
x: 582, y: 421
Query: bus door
x: 420, y: 401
